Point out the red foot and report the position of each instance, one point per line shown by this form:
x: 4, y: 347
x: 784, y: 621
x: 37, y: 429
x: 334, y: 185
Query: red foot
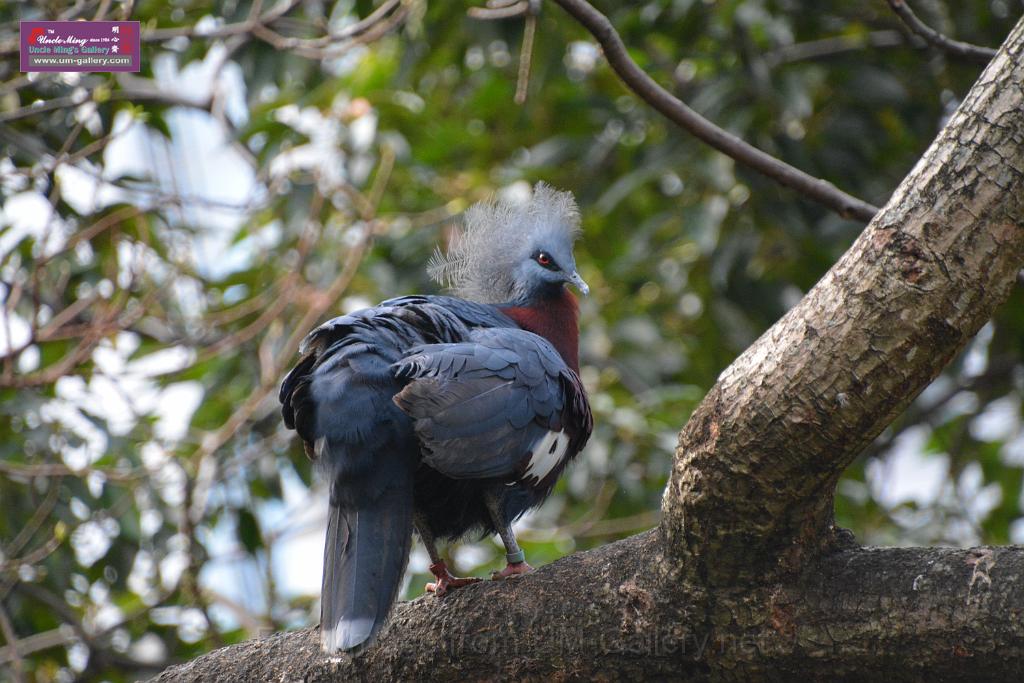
x: 445, y: 581
x: 511, y: 571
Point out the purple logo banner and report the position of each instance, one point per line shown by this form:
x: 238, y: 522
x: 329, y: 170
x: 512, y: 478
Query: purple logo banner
x: 80, y: 46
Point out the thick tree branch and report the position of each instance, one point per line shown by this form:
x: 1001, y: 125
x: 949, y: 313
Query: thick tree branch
x: 933, y: 37
x: 611, y: 614
x: 674, y: 109
x: 758, y: 460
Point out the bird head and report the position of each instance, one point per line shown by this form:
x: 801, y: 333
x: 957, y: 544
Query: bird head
x: 509, y: 252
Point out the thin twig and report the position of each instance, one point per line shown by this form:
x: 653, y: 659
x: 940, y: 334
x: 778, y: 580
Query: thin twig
x: 368, y: 29
x: 686, y: 118
x: 834, y: 46
x: 39, y: 515
x: 17, y: 662
x: 525, y: 58
x: 335, y: 49
x: 500, y: 10
x: 255, y: 624
x: 513, y: 9
x: 101, y: 13
x: 154, y: 95
x: 14, y: 652
x: 161, y: 34
x: 954, y: 47
x: 105, y: 323
x: 350, y: 32
x: 112, y: 219
x: 61, y: 636
x: 56, y: 470
x: 39, y: 554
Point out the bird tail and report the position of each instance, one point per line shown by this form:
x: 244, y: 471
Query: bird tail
x: 365, y: 556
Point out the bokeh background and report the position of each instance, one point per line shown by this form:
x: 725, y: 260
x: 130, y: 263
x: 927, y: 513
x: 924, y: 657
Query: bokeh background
x: 167, y: 238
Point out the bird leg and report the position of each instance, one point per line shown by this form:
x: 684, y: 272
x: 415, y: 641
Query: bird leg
x: 514, y: 555
x: 438, y: 567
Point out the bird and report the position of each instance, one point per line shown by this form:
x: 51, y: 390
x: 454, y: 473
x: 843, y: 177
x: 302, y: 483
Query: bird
x: 445, y: 414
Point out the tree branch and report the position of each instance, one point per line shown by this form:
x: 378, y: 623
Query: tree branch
x: 611, y: 613
x: 380, y: 21
x: 803, y: 401
x: 834, y: 46
x: 647, y: 89
x: 933, y: 37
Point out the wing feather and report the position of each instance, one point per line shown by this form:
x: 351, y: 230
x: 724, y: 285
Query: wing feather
x: 482, y: 408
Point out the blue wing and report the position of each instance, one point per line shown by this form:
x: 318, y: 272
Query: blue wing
x: 348, y: 361
x: 502, y: 404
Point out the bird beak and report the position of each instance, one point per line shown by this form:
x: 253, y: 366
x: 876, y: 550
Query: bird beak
x: 580, y: 284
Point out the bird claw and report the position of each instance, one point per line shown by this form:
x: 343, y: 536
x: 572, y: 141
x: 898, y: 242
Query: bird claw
x: 445, y: 580
x: 511, y: 571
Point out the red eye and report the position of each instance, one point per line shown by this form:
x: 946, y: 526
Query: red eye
x: 543, y: 259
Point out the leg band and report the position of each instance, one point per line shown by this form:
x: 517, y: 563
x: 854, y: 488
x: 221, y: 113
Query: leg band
x: 516, y: 557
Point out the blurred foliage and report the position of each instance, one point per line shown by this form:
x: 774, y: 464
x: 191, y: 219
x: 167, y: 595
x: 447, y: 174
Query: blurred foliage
x: 161, y: 255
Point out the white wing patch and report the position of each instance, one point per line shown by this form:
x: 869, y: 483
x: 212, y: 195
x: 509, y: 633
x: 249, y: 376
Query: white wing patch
x: 546, y: 453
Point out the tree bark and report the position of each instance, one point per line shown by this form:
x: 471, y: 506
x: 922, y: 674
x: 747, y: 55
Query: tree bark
x: 894, y: 614
x: 747, y: 578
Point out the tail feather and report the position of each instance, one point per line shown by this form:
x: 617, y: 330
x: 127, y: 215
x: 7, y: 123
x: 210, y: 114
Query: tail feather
x: 365, y: 556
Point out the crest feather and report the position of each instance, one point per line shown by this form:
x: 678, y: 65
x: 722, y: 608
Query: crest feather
x: 495, y: 237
